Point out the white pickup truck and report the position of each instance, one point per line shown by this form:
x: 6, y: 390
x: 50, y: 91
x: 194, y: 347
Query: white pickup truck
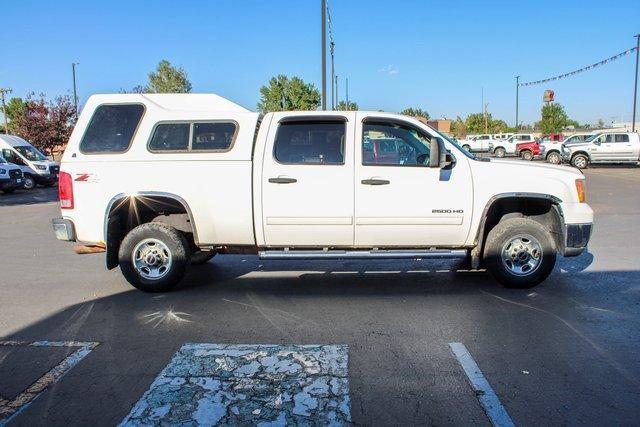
x: 479, y: 143
x: 162, y: 182
x: 606, y: 147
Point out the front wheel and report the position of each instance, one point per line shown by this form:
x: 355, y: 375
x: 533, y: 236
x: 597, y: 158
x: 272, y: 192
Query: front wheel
x: 29, y: 182
x: 554, y: 158
x: 154, y: 257
x: 519, y: 253
x: 500, y: 152
x: 580, y: 161
x: 526, y: 155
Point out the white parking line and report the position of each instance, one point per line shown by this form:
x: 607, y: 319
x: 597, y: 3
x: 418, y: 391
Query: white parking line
x: 488, y: 399
x: 11, y: 408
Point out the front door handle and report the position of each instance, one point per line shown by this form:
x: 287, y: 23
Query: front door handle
x: 375, y: 181
x: 282, y: 180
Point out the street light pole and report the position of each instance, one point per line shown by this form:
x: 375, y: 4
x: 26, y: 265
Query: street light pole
x: 635, y: 85
x: 337, y: 98
x: 75, y: 93
x: 4, y: 109
x: 347, y: 87
x: 323, y: 14
x: 517, y: 89
x: 333, y: 73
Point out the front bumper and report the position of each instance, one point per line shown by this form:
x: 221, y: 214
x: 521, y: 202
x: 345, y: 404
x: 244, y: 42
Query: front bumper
x: 576, y: 238
x: 10, y: 183
x: 64, y: 229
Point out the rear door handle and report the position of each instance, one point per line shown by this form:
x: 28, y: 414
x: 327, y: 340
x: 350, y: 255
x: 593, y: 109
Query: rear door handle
x: 282, y: 180
x: 375, y: 181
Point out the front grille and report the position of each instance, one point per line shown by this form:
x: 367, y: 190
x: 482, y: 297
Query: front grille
x: 15, y: 173
x: 54, y: 170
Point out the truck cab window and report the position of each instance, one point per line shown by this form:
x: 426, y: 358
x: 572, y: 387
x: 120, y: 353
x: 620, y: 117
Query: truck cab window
x: 394, y: 144
x: 111, y: 128
x: 319, y: 142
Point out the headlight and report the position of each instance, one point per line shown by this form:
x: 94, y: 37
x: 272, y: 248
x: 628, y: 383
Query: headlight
x: 3, y: 171
x: 580, y: 188
x: 41, y: 167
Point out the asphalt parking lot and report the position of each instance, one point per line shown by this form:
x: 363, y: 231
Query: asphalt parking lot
x: 565, y: 352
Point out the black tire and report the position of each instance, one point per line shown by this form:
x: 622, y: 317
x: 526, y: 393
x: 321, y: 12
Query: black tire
x: 580, y: 161
x: 176, y: 245
x: 467, y: 147
x: 554, y: 158
x: 500, y: 152
x: 498, y: 240
x: 49, y: 184
x: 202, y: 257
x: 526, y: 155
x: 29, y: 182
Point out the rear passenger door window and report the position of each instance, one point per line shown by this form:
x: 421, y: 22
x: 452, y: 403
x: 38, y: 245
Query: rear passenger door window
x: 318, y: 142
x: 111, y: 128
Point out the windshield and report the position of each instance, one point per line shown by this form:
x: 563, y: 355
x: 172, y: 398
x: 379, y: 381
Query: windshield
x: 30, y: 153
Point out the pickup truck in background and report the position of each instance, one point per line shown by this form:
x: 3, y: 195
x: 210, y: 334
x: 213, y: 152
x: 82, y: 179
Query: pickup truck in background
x: 553, y: 146
x: 162, y: 182
x: 478, y: 143
x: 606, y: 147
x: 508, y: 147
x: 529, y: 150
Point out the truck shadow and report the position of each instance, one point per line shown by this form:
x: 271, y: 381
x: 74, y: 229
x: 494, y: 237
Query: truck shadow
x: 29, y: 197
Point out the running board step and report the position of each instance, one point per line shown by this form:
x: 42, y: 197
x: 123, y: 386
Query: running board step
x: 377, y: 253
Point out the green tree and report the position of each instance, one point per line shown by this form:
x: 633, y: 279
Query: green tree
x: 167, y: 79
x: 554, y: 119
x: 16, y: 107
x: 475, y: 123
x: 458, y: 127
x: 288, y: 94
x: 342, y: 106
x: 600, y: 124
x: 415, y: 112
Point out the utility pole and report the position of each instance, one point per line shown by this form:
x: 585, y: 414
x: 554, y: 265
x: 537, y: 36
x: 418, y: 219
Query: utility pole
x: 517, y: 89
x: 4, y: 109
x: 333, y: 73
x: 635, y: 85
x: 75, y: 93
x: 337, y: 98
x: 323, y: 5
x: 347, y: 87
x: 486, y: 124
x: 481, y: 99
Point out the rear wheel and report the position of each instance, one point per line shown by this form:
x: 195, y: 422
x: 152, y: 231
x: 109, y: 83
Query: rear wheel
x: 526, y: 155
x: 154, y: 257
x: 580, y: 161
x: 553, y: 158
x: 29, y: 182
x: 500, y: 152
x: 519, y: 253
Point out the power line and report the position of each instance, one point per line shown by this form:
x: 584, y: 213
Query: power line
x: 581, y: 70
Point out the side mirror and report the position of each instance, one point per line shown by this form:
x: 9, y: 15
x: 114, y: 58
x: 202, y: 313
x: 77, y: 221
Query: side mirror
x: 438, y: 153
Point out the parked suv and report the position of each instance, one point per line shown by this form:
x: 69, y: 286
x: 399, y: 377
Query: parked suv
x: 507, y: 147
x: 10, y: 176
x: 302, y: 185
x: 607, y: 147
x: 553, y: 148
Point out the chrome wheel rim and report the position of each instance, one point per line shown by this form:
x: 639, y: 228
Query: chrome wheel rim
x: 152, y: 259
x: 554, y: 158
x: 522, y: 255
x: 29, y: 183
x: 580, y: 162
x: 500, y: 153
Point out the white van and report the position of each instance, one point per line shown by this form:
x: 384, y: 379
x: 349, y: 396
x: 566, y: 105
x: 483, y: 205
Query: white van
x: 35, y: 166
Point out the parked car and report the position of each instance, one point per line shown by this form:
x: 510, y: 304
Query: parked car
x: 10, y: 176
x: 479, y: 143
x: 529, y: 150
x: 507, y: 147
x: 160, y: 187
x: 36, y: 167
x: 553, y: 148
x: 607, y: 147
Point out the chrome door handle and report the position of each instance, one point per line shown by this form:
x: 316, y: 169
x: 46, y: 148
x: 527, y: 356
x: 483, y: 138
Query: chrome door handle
x: 375, y: 181
x: 282, y: 180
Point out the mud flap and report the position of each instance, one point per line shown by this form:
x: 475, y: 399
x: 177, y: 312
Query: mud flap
x: 113, y: 237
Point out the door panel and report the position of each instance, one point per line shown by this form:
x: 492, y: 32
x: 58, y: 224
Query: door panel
x: 417, y: 205
x: 307, y: 183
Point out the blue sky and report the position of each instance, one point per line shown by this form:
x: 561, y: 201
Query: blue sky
x: 435, y: 55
